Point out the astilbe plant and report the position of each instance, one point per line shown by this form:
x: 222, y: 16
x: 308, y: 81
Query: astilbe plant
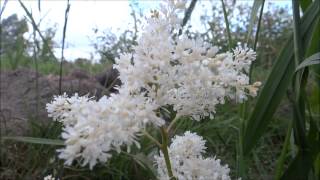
x: 186, y: 77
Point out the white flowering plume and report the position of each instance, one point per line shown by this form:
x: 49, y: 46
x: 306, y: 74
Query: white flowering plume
x: 188, y: 162
x: 164, y: 70
x: 94, y: 128
x: 186, y: 73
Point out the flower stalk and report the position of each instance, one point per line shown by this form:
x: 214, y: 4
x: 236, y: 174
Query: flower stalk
x: 152, y: 138
x: 173, y: 122
x: 164, y: 149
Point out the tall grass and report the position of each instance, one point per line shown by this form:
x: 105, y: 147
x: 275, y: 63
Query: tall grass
x: 277, y: 84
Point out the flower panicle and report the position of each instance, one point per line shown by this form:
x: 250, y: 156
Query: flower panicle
x: 189, y: 75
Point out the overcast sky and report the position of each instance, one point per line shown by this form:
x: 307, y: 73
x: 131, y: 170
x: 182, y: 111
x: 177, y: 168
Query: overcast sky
x: 85, y: 15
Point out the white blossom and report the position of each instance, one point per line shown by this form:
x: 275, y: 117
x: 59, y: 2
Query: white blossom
x: 64, y: 109
x: 188, y: 74
x: 187, y: 161
x: 164, y: 69
x: 50, y: 177
x: 105, y: 125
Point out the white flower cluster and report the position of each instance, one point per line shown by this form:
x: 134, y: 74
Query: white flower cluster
x: 92, y: 129
x: 164, y: 69
x: 186, y: 73
x: 65, y: 109
x: 187, y: 161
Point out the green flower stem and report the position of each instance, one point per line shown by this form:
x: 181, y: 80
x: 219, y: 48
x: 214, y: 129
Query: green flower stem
x: 165, y: 152
x: 152, y: 138
x: 173, y: 122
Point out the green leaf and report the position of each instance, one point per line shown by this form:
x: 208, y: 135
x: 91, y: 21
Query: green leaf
x: 225, y: 14
x: 144, y: 161
x: 312, y: 60
x: 314, y: 48
x: 277, y: 83
x: 305, y: 4
x: 281, y: 159
x: 33, y: 140
x: 299, y: 81
x: 256, y: 5
x: 317, y: 165
x: 299, y: 167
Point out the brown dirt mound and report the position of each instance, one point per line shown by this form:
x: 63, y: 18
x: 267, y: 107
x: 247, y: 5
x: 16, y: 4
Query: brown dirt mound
x: 19, y: 96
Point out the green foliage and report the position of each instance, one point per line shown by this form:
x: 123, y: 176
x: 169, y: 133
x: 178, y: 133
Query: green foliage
x: 276, y: 85
x: 282, y: 73
x: 34, y: 140
x: 13, y: 44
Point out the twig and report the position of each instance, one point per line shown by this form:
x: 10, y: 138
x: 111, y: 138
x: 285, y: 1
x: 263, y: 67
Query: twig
x: 173, y: 122
x: 62, y: 48
x: 152, y: 138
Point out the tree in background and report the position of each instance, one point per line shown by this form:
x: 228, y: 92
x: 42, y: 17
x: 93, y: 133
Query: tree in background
x: 109, y: 46
x: 17, y: 43
x: 275, y: 28
x: 13, y: 43
x: 47, y: 44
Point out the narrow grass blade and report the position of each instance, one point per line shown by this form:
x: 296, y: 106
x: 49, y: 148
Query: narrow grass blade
x: 258, y: 27
x: 312, y: 60
x: 305, y: 4
x: 299, y: 167
x: 225, y: 14
x: 313, y: 48
x: 299, y: 81
x: 144, y: 161
x: 256, y: 5
x: 34, y: 140
x: 308, y: 147
x: 281, y: 159
x: 277, y: 83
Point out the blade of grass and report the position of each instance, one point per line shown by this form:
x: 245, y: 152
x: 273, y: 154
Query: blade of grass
x: 313, y: 48
x: 305, y: 4
x: 244, y: 107
x: 299, y: 167
x: 34, y: 140
x: 282, y: 157
x: 253, y: 17
x: 299, y: 104
x: 241, y: 165
x: 225, y: 14
x: 277, y: 83
x: 35, y: 58
x: 258, y: 27
x: 312, y: 60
